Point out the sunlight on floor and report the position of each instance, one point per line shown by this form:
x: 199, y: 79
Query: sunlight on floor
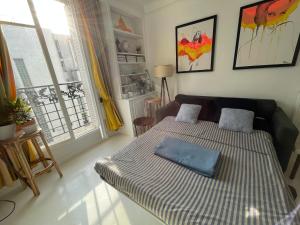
x: 80, y: 197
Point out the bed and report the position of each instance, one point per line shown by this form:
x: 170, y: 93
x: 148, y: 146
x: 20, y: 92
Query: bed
x: 248, y: 188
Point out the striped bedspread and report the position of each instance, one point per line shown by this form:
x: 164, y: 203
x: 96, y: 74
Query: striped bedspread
x: 247, y: 189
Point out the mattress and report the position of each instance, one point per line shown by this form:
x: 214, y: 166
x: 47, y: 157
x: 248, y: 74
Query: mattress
x: 248, y: 187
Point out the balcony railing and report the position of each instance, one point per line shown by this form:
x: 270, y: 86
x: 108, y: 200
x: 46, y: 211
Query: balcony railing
x: 47, y: 111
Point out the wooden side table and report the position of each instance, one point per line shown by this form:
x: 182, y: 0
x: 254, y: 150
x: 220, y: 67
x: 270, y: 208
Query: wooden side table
x: 296, y: 165
x: 14, y: 150
x: 144, y: 122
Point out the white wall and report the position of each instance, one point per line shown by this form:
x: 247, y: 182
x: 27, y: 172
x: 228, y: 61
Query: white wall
x: 281, y: 84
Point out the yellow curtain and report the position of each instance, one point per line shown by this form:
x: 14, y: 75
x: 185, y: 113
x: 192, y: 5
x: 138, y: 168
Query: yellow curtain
x: 5, y: 176
x: 113, y: 119
x: 7, y: 82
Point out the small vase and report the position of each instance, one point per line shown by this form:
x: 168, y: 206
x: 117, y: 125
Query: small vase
x: 7, y: 131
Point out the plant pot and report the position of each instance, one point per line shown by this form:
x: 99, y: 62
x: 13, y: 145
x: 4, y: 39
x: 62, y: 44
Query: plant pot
x: 28, y: 127
x: 7, y: 131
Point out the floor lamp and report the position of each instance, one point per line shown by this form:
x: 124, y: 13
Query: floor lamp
x: 163, y: 71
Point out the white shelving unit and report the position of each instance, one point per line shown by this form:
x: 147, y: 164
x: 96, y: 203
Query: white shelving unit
x: 131, y: 81
x: 130, y: 54
x: 127, y: 34
x: 132, y: 74
x: 131, y: 63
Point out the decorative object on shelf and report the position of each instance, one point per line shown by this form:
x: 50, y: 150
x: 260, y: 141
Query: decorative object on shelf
x: 124, y: 46
x: 140, y: 59
x: 136, y: 84
x: 163, y: 71
x: 130, y: 94
x: 122, y: 25
x: 118, y: 45
x: 139, y: 49
x: 130, y: 57
x: 141, y: 85
x: 150, y: 83
x: 125, y: 96
x: 268, y: 35
x: 195, y: 45
x: 121, y: 58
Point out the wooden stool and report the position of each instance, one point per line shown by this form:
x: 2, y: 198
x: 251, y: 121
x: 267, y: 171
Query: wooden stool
x: 144, y: 122
x: 14, y: 150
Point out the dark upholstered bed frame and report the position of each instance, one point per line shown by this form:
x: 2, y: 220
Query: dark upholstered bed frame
x: 268, y: 117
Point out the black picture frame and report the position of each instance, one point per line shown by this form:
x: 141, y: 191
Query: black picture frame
x: 235, y: 67
x: 214, y: 18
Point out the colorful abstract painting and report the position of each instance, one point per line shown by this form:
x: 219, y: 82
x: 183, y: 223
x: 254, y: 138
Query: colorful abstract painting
x: 195, y: 43
x: 268, y: 34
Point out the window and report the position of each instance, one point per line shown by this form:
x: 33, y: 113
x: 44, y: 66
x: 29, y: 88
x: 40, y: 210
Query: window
x: 19, y: 62
x: 62, y: 101
x: 15, y: 11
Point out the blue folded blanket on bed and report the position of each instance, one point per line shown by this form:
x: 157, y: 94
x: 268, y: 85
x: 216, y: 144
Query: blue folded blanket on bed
x: 201, y: 160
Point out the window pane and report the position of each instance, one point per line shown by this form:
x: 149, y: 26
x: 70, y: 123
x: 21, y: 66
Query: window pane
x: 65, y: 52
x: 34, y: 82
x: 51, y: 15
x: 15, y: 11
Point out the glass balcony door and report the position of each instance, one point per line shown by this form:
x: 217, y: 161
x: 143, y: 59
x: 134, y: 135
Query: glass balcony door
x: 62, y: 40
x: 50, y: 68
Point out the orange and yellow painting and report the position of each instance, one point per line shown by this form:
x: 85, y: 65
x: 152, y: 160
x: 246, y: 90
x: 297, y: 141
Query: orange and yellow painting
x: 268, y: 33
x: 195, y: 48
x: 195, y: 45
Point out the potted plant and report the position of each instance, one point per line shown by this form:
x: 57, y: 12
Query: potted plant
x: 23, y: 116
x: 7, y: 122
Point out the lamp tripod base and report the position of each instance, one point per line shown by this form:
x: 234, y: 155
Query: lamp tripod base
x: 163, y: 90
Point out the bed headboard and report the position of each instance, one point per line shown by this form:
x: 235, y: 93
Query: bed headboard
x: 268, y: 117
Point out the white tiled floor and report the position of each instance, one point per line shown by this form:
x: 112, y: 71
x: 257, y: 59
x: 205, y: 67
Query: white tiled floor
x: 81, y: 197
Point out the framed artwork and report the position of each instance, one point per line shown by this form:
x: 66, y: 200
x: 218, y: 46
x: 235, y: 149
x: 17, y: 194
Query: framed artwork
x: 268, y: 34
x: 195, y: 45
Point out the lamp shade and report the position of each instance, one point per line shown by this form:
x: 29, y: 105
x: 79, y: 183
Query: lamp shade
x: 163, y: 71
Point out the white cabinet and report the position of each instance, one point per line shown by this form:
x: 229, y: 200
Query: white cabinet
x: 132, y: 109
x: 137, y: 106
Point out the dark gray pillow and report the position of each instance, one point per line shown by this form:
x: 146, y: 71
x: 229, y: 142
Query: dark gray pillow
x: 188, y: 113
x: 236, y: 120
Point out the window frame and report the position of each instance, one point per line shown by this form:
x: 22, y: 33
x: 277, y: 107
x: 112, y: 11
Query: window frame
x: 39, y: 31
